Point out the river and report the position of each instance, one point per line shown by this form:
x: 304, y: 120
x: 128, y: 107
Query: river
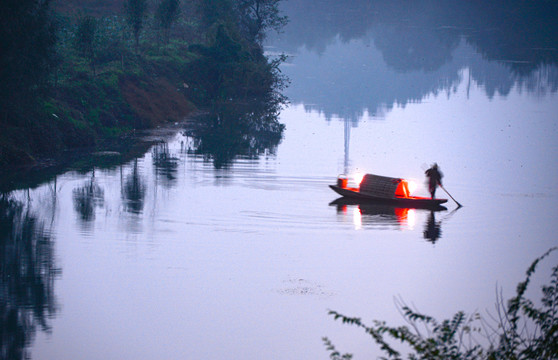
x: 169, y: 255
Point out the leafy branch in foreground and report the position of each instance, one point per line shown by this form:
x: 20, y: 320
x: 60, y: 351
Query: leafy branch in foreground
x: 333, y: 353
x: 522, y: 330
x: 528, y: 332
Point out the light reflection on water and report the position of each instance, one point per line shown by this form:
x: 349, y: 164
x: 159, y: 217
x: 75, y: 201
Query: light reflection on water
x: 373, y: 215
x: 166, y: 256
x: 205, y: 251
x: 198, y: 249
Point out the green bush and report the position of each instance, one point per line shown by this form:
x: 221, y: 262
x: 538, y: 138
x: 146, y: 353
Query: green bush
x: 522, y: 330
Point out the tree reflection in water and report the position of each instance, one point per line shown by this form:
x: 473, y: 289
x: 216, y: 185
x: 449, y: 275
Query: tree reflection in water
x: 247, y: 129
x: 133, y: 191
x: 27, y: 272
x: 87, y: 198
x: 497, y: 46
x: 165, y: 163
x: 242, y: 89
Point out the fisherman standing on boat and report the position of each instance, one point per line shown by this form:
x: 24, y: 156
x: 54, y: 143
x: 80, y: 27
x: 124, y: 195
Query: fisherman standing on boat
x: 434, y: 176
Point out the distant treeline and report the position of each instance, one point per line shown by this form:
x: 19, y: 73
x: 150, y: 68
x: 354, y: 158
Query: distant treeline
x: 74, y: 75
x: 524, y: 32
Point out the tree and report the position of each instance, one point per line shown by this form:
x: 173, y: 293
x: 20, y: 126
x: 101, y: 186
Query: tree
x: 213, y: 11
x: 258, y: 16
x: 27, y: 52
x: 167, y: 13
x: 135, y: 15
x: 85, y: 39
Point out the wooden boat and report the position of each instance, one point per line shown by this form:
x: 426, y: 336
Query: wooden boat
x: 386, y: 190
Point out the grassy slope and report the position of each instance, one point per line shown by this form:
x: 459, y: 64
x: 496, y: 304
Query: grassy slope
x: 86, y: 110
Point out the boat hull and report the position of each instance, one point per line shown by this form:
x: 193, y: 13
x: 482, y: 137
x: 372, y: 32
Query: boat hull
x: 409, y: 202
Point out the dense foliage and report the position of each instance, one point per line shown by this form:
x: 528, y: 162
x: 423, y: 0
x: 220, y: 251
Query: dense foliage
x: 135, y: 15
x: 167, y: 13
x: 232, y: 77
x: 522, y: 330
x: 258, y: 16
x: 27, y: 40
x: 89, y: 77
x: 27, y: 57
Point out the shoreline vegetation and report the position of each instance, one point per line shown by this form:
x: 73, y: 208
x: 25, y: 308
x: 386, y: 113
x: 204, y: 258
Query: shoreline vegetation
x: 520, y: 329
x: 83, y: 74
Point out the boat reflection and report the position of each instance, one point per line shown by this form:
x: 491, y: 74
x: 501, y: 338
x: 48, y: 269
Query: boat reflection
x: 379, y: 215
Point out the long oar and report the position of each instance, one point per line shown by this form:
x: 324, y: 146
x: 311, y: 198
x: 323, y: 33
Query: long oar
x: 458, y: 204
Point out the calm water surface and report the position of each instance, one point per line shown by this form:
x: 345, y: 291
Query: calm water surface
x: 168, y: 257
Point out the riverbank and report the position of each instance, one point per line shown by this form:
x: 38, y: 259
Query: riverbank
x: 107, y: 153
x: 101, y: 78
x: 87, y: 111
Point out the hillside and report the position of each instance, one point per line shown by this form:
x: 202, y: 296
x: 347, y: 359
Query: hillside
x: 86, y: 72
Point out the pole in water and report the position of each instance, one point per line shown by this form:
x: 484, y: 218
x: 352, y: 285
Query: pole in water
x: 458, y: 204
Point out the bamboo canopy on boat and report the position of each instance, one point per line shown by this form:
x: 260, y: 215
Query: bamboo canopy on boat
x: 383, y: 186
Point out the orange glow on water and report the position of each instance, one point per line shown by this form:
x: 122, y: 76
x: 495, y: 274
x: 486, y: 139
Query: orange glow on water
x: 401, y: 214
x: 406, y: 217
